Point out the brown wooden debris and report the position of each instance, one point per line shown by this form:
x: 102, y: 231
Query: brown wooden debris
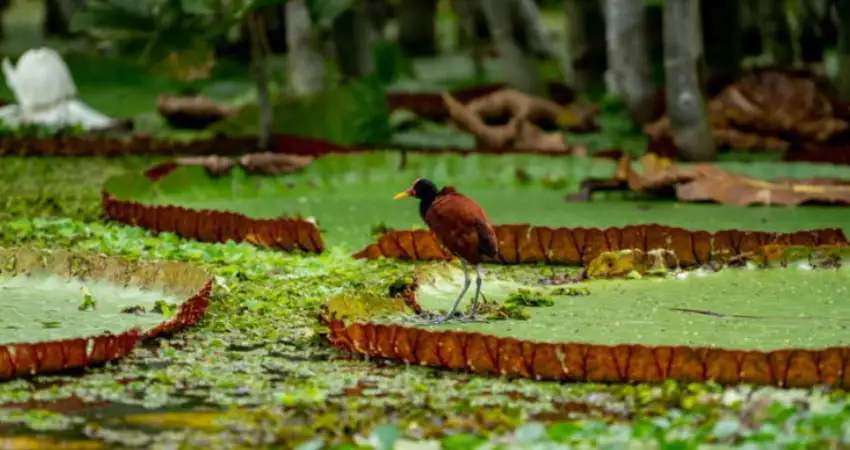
x: 192, y: 112
x: 521, y: 130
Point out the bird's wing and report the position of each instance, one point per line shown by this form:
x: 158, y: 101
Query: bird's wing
x: 461, y: 226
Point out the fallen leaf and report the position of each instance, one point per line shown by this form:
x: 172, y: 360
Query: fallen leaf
x: 270, y: 163
x: 215, y: 165
x: 708, y: 182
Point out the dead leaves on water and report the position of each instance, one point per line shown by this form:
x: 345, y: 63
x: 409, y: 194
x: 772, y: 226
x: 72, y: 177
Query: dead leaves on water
x: 708, y: 182
x: 266, y: 163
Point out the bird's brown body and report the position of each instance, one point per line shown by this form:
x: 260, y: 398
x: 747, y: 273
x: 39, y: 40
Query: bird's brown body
x: 461, y: 226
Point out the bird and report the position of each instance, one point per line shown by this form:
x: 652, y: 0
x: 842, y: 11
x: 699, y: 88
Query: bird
x: 461, y: 226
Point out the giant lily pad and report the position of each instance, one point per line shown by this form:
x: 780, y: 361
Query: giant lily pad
x: 766, y: 326
x: 350, y: 196
x: 60, y: 310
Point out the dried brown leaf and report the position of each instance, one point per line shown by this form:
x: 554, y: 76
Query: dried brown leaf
x: 215, y: 165
x: 270, y: 163
x: 707, y: 182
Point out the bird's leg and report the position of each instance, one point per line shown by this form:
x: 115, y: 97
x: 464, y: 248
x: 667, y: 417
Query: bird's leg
x: 466, y: 282
x: 472, y: 309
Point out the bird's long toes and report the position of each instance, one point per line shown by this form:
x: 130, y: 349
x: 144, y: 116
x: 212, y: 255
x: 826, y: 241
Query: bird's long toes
x: 425, y: 319
x: 414, y: 318
x: 472, y: 318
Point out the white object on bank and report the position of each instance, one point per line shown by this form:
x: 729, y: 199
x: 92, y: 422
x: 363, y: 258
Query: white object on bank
x: 46, y: 94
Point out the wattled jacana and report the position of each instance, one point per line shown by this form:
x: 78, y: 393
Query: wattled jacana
x: 461, y: 226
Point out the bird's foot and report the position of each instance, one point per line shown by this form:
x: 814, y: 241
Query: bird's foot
x: 437, y: 319
x: 470, y: 318
x: 425, y: 318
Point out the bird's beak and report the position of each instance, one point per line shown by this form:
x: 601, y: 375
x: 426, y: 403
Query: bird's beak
x: 404, y: 194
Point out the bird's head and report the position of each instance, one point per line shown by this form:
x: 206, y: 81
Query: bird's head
x: 422, y: 189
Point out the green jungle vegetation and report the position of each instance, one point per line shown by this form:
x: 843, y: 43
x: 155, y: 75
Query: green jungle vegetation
x: 257, y: 372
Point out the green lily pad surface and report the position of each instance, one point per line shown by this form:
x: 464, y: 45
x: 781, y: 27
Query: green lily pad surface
x: 747, y: 309
x: 349, y: 195
x: 43, y: 307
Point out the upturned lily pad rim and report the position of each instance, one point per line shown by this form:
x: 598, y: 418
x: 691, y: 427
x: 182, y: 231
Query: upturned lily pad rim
x: 474, y: 351
x: 525, y: 243
x: 32, y: 358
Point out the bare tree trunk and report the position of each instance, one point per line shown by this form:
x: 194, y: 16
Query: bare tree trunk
x: 843, y: 9
x: 4, y: 5
x: 776, y: 31
x: 629, y: 75
x: 520, y: 69
x: 752, y: 41
x: 586, y: 42
x: 685, y: 103
x: 417, y: 27
x: 260, y: 69
x: 304, y: 59
x: 379, y: 13
x: 817, y: 32
x: 722, y: 38
x: 352, y: 36
x: 531, y: 25
x: 466, y: 11
x: 57, y: 16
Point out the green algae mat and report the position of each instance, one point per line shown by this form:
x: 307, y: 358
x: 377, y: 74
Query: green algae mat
x: 349, y: 196
x: 257, y: 361
x: 61, y: 310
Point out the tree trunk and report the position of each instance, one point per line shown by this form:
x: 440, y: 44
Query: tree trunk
x: 417, y: 27
x: 586, y: 42
x: 843, y: 9
x: 521, y: 71
x: 304, y: 59
x: 260, y: 70
x: 57, y: 16
x: 752, y: 41
x: 466, y: 12
x: 379, y: 13
x: 685, y: 103
x: 722, y: 38
x: 352, y: 36
x: 530, y: 24
x: 816, y: 32
x: 4, y: 5
x: 776, y: 32
x: 629, y: 74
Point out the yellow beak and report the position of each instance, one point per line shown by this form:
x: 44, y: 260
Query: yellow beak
x: 402, y: 195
